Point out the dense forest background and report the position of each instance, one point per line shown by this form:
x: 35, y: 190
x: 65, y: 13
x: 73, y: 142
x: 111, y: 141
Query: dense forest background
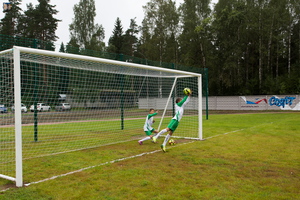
x: 249, y: 47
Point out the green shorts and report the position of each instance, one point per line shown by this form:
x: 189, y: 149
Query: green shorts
x: 149, y: 132
x: 173, y: 124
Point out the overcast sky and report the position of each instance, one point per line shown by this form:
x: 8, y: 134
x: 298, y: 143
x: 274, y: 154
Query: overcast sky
x: 107, y: 12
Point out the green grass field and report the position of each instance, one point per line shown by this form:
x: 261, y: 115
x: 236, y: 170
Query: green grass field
x: 244, y: 156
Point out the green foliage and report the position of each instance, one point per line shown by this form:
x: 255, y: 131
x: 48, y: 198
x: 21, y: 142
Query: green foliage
x: 38, y: 22
x: 117, y: 39
x: 62, y: 48
x: 10, y: 21
x: 245, y: 45
x: 196, y: 34
x: 253, y: 41
x: 159, y: 31
x: 130, y: 39
x: 83, y: 30
x: 249, y: 47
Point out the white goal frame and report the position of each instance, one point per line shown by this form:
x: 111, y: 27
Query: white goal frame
x: 17, y: 50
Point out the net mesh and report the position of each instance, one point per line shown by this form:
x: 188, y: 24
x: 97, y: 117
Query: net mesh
x: 7, y: 145
x: 74, y: 104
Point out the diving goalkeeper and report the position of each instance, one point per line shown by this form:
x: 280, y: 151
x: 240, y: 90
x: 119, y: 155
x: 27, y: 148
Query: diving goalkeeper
x: 179, y: 107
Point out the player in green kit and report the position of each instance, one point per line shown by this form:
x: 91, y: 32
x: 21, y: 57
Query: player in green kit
x: 179, y: 108
x: 148, y: 126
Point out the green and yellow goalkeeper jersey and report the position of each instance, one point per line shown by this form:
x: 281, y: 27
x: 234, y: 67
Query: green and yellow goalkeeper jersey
x: 179, y: 108
x: 149, y: 122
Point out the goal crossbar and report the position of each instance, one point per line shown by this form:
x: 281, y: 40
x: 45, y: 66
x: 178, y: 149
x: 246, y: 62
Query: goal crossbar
x: 169, y: 72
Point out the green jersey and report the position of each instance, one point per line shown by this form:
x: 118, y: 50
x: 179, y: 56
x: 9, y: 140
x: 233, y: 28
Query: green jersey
x: 149, y: 122
x: 179, y: 108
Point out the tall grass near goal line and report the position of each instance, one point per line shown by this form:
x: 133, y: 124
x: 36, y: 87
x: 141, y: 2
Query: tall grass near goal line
x: 246, y: 156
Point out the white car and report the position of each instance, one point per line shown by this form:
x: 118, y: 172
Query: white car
x: 63, y: 107
x: 40, y: 107
x: 23, y: 108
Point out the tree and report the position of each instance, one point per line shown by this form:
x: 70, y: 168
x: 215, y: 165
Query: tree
x: 11, y: 19
x: 115, y: 42
x: 228, y: 26
x: 8, y: 25
x: 83, y: 30
x: 38, y: 23
x: 62, y: 48
x: 72, y: 46
x: 255, y: 47
x: 159, y: 29
x: 195, y: 38
x: 130, y: 39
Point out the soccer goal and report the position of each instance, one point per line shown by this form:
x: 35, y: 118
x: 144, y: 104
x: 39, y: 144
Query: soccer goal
x: 60, y: 103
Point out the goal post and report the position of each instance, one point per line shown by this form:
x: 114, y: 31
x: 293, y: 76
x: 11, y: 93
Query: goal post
x: 18, y: 117
x: 65, y: 103
x: 174, y: 84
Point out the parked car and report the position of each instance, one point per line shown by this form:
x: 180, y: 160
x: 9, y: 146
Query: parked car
x: 23, y: 108
x: 40, y: 107
x: 63, y: 107
x: 3, y: 109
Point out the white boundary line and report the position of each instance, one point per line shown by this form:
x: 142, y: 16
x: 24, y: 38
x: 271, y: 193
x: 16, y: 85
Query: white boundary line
x: 225, y: 133
x: 109, y: 162
x: 120, y: 159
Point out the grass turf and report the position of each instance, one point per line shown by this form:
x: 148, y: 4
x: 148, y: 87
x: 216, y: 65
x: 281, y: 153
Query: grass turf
x: 246, y: 156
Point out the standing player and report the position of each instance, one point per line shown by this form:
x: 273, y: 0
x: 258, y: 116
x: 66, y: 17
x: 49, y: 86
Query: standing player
x: 148, y: 126
x: 179, y: 107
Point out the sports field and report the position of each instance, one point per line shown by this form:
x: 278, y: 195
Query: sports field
x: 244, y: 156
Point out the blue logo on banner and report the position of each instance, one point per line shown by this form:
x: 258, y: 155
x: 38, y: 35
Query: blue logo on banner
x: 274, y: 101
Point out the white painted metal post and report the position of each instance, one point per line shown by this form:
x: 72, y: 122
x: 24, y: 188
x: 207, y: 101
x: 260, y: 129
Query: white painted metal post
x: 170, y: 95
x: 200, y: 134
x: 18, y: 118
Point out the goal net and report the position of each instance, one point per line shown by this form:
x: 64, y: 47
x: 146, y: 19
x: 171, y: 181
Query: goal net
x: 58, y: 103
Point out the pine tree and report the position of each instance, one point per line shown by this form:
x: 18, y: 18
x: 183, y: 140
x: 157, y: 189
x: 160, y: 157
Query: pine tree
x: 38, y: 22
x: 62, y: 48
x: 130, y: 39
x: 11, y: 19
x: 115, y: 42
x: 8, y: 25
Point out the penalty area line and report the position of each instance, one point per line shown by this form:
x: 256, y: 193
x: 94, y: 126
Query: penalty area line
x: 126, y: 158
x: 102, y: 164
x: 236, y: 131
x: 225, y: 133
x: 91, y: 167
